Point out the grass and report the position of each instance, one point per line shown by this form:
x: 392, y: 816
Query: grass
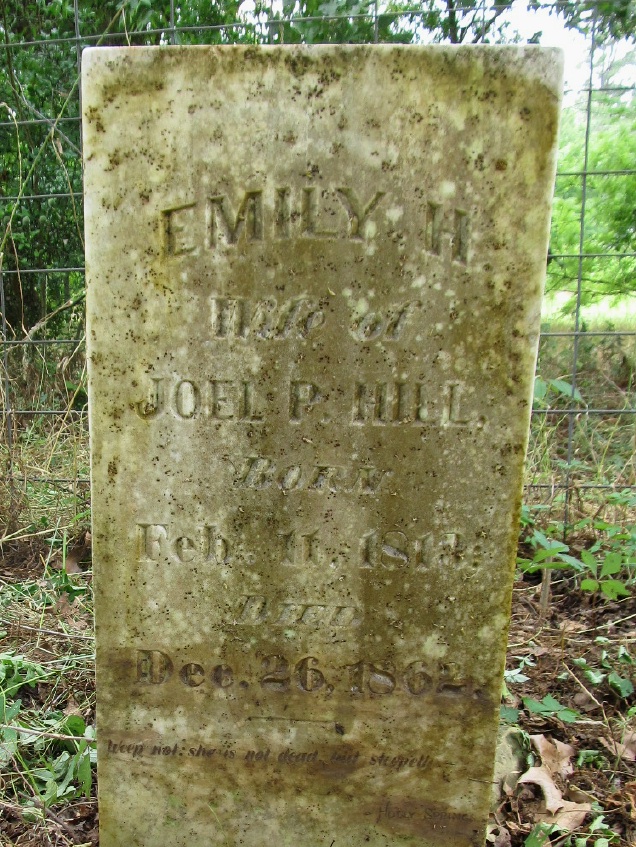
x: 621, y: 314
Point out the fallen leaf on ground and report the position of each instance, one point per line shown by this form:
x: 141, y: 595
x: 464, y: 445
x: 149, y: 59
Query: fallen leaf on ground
x: 555, y: 755
x: 72, y: 708
x: 575, y: 794
x: 625, y: 749
x: 572, y: 626
x: 569, y: 817
x: 498, y: 836
x: 543, y: 778
x: 624, y: 800
x: 556, y: 760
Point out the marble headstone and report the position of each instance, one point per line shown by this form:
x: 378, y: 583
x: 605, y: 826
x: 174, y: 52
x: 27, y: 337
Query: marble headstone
x: 314, y: 282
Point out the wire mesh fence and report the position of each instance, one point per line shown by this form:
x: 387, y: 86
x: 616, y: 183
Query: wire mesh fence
x: 583, y: 439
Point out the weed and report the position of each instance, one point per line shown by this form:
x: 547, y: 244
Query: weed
x: 611, y: 671
x: 606, y: 568
x: 550, y: 707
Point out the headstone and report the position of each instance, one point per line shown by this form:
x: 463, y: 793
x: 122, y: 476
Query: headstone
x: 314, y: 281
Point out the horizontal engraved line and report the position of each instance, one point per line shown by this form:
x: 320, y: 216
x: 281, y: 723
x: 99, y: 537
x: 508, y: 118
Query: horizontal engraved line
x: 285, y: 718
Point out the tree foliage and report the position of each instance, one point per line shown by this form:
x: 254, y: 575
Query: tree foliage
x: 598, y: 212
x: 40, y: 143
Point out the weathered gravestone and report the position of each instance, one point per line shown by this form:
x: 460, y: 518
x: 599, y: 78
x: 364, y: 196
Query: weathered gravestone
x: 314, y: 279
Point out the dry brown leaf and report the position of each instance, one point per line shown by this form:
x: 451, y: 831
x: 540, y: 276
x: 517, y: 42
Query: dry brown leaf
x: 498, y: 836
x: 543, y: 778
x: 584, y: 702
x: 575, y: 794
x: 555, y: 755
x: 73, y: 558
x: 566, y: 814
x: 63, y: 608
x: 71, y: 613
x: 625, y: 749
x: 78, y: 553
x: 72, y: 708
x: 572, y: 626
x: 569, y: 817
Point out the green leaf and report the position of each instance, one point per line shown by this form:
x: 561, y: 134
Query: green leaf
x: 515, y: 675
x: 571, y: 561
x: 623, y: 655
x: 611, y: 564
x: 540, y: 389
x: 539, y: 837
x: 84, y: 773
x: 613, y: 589
x: 75, y: 725
x: 588, y: 559
x: 550, y: 706
x: 526, y: 566
x: 567, y: 715
x: 566, y: 389
x: 541, y: 555
x: 621, y: 685
x: 547, y: 706
x: 550, y: 544
x: 41, y: 773
x: 589, y: 585
x: 534, y: 706
x: 8, y: 713
x: 595, y: 677
x: 508, y: 714
x: 592, y: 758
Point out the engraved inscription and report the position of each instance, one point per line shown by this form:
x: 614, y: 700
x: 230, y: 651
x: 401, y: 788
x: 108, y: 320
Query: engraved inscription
x: 221, y: 217
x: 345, y: 756
x: 358, y: 212
x: 282, y: 212
x: 279, y: 673
x: 240, y: 317
x: 393, y: 403
x: 300, y: 548
x: 256, y: 609
x: 303, y: 396
x: 179, y: 230
x: 396, y: 810
x: 242, y: 401
x: 388, y: 324
x: 394, y: 549
x: 390, y: 403
x: 447, y: 227
x: 157, y: 541
x: 219, y: 399
x: 259, y: 472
